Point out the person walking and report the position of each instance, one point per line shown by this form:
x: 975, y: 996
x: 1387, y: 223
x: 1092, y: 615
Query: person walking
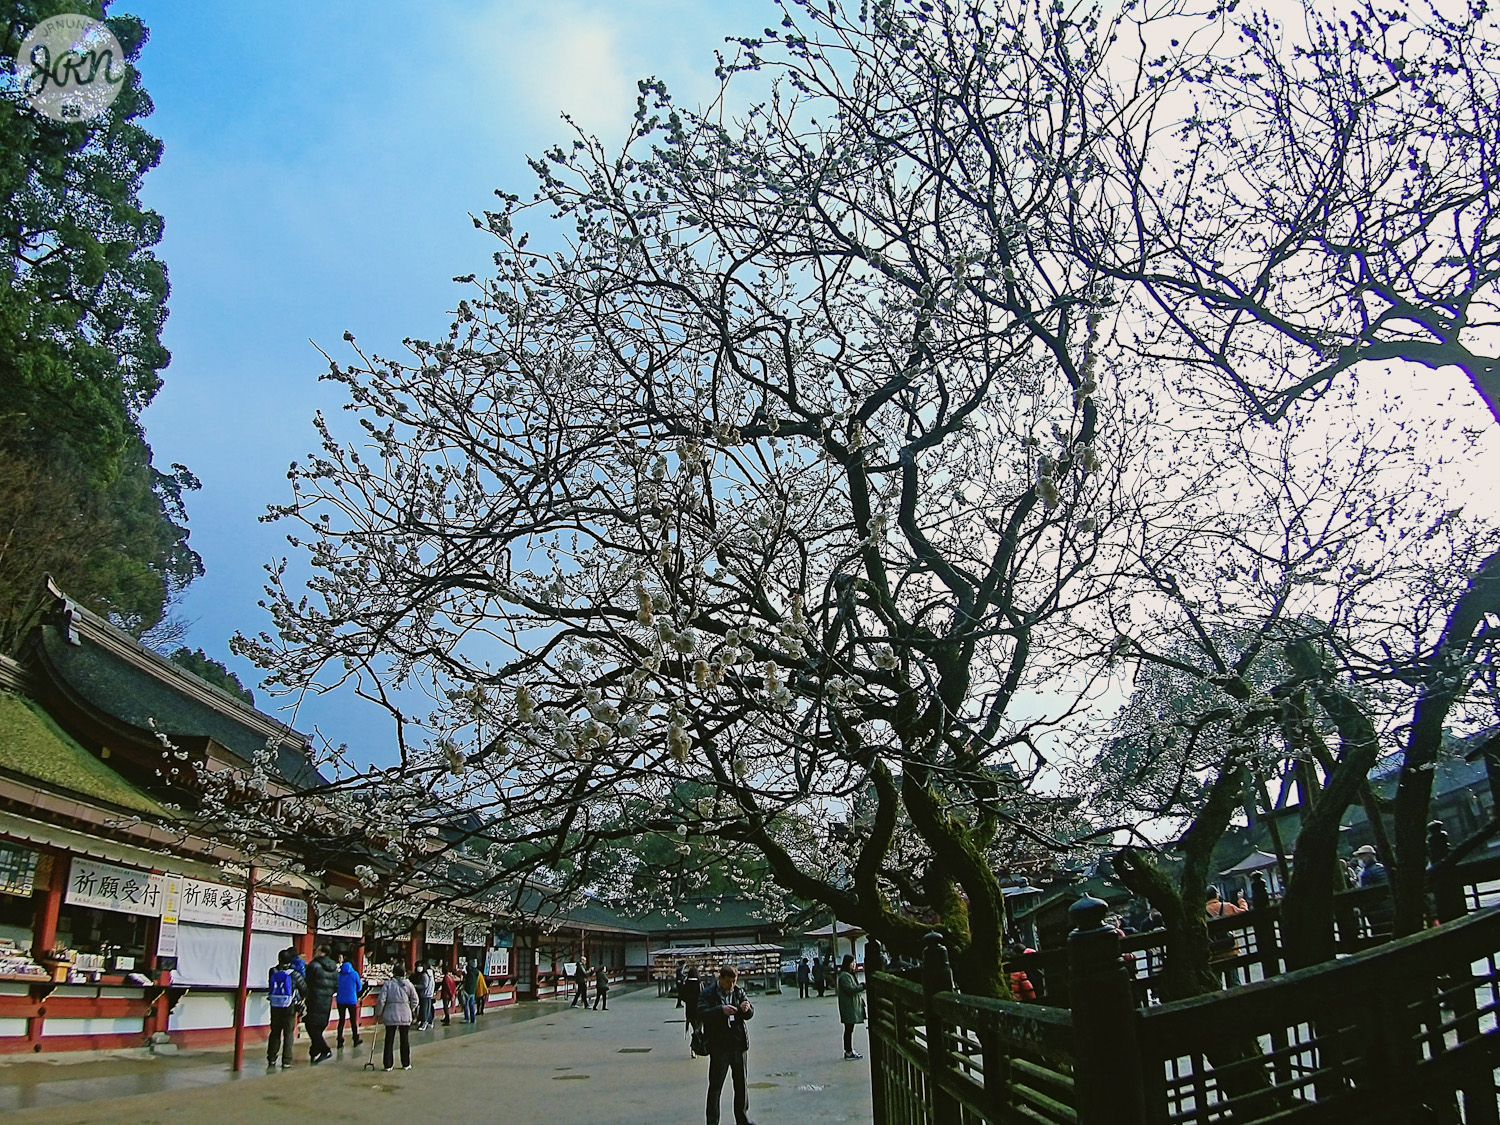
x: 350, y: 988
x: 724, y: 1009
x: 425, y: 983
x: 481, y: 990
x: 394, y: 1005
x: 601, y: 987
x: 691, y: 989
x: 467, y: 999
x: 820, y: 975
x: 322, y: 987
x: 804, y: 979
x: 851, y: 1004
x: 581, y: 984
x: 286, y: 988
x: 681, y: 975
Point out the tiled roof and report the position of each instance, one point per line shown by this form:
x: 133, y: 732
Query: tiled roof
x: 140, y: 694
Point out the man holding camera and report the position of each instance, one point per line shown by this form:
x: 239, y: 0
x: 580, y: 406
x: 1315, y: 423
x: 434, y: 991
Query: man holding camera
x: 724, y: 1009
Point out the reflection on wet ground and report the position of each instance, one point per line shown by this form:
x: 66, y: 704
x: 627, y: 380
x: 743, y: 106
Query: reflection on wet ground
x: 32, y: 1083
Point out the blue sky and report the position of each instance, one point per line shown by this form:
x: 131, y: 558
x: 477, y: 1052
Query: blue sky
x: 321, y: 163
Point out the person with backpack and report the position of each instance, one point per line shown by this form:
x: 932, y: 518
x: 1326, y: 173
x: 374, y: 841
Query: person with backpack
x: 350, y: 987
x: 322, y: 986
x: 723, y: 1009
x: 394, y: 1005
x: 286, y: 987
x: 851, y: 1004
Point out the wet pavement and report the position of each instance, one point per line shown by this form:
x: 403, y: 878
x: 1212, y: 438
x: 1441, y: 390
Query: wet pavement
x: 627, y: 1066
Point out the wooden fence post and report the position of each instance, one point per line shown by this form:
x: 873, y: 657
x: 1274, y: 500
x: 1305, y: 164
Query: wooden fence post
x: 1451, y: 904
x: 879, y: 1065
x: 1447, y: 892
x: 937, y: 976
x: 1267, y: 948
x: 1107, y: 1057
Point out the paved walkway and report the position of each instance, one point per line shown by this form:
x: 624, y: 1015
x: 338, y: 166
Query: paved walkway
x: 534, y: 1063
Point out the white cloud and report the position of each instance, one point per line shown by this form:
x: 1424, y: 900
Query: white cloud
x: 528, y: 64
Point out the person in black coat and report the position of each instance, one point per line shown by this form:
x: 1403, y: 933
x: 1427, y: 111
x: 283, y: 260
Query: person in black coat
x: 723, y: 1010
x: 322, y: 987
x: 601, y: 986
x: 581, y: 984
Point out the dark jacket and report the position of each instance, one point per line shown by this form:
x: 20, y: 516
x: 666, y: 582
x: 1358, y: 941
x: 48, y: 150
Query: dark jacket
x: 601, y: 979
x: 851, y: 1007
x: 471, y: 979
x: 721, y: 1032
x: 322, y: 983
x: 804, y: 973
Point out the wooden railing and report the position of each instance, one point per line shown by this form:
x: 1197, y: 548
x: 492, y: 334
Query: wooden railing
x: 1400, y: 1031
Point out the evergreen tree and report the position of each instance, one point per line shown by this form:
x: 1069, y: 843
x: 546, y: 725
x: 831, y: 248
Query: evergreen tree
x: 82, y: 304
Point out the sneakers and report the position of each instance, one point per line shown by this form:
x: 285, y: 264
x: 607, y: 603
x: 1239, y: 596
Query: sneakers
x: 853, y: 1055
x: 286, y: 1066
x: 406, y: 1066
x: 389, y: 1069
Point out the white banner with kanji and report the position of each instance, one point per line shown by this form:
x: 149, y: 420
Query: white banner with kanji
x: 104, y: 886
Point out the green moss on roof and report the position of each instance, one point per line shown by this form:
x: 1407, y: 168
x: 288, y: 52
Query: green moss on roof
x: 34, y: 747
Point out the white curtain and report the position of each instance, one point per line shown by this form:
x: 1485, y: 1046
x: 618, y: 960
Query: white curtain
x: 210, y: 955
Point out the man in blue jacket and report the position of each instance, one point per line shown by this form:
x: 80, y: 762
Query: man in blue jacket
x: 723, y: 1009
x: 350, y: 987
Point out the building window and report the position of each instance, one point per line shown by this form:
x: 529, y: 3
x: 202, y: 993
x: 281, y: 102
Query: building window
x: 105, y: 932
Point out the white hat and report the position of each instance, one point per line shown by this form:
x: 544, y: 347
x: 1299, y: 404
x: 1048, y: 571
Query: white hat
x: 1368, y: 849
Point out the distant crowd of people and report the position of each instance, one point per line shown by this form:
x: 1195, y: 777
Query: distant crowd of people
x: 309, y: 989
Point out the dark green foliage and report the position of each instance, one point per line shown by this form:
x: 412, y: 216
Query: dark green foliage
x: 205, y: 667
x: 82, y: 304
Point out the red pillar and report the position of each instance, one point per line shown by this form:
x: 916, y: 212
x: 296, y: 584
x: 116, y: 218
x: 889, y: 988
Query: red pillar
x: 412, y: 946
x: 44, y: 928
x: 243, y: 992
